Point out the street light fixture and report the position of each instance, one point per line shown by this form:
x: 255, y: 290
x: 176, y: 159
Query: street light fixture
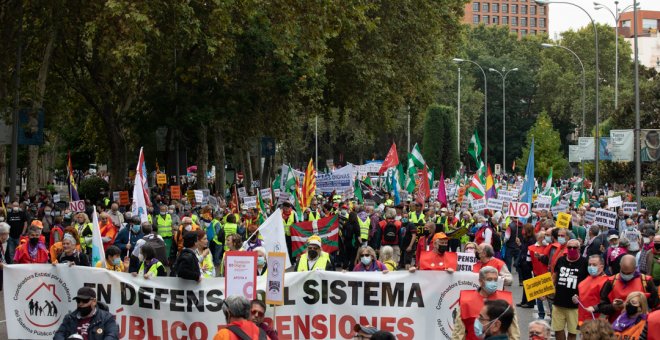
x: 506, y: 73
x: 597, y: 139
x: 459, y: 60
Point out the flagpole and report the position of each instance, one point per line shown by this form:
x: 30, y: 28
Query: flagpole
x: 408, y: 128
x: 458, y: 126
x: 316, y: 133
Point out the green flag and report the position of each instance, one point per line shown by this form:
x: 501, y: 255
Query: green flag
x: 417, y: 157
x: 410, y: 179
x: 276, y: 182
x: 290, y: 182
x: 368, y: 181
x: 548, y: 183
x: 474, y: 148
x: 357, y: 191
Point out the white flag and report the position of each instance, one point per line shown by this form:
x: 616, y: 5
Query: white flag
x: 98, y: 252
x: 273, y: 232
x: 139, y: 207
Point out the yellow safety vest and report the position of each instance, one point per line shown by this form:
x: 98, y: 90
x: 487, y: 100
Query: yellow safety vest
x: 164, y: 226
x: 288, y: 223
x: 207, y: 267
x: 321, y: 263
x: 389, y: 202
x: 152, y: 270
x: 416, y: 217
x: 313, y: 217
x: 81, y: 231
x: 150, y: 219
x: 364, y: 228
x: 229, y: 228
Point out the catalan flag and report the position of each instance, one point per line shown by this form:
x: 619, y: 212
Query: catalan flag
x: 309, y: 185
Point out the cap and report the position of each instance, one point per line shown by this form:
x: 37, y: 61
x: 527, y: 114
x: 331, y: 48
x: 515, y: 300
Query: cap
x: 613, y: 236
x: 314, y: 239
x: 439, y: 236
x: 444, y: 209
x: 85, y: 293
x: 37, y: 223
x: 365, y: 329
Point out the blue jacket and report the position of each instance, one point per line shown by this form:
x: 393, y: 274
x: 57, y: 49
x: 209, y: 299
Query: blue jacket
x: 123, y: 237
x: 102, y: 320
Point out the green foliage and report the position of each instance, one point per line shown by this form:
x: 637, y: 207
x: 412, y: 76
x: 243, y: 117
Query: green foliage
x: 651, y: 204
x: 547, y: 152
x: 439, y: 144
x: 90, y: 188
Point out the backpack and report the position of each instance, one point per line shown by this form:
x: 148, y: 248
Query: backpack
x: 243, y: 336
x: 390, y: 234
x: 159, y: 248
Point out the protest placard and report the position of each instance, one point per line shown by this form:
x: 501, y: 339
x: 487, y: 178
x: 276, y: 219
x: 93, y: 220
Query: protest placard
x: 494, y: 204
x: 241, y: 274
x: 563, y: 220
x: 250, y: 201
x: 123, y: 198
x: 242, y: 192
x: 265, y: 194
x: 589, y: 216
x: 479, y: 205
x: 466, y: 261
x: 519, y: 209
x: 175, y: 192
x: 161, y: 179
x: 605, y: 218
x: 542, y: 202
x: 629, y: 208
x: 199, y: 196
x: 275, y: 278
x: 614, y: 202
x: 539, y: 286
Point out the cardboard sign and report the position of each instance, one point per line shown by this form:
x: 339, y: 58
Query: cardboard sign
x: 161, y: 179
x: 575, y: 195
x: 123, y: 198
x: 276, y: 193
x: 56, y: 198
x: 77, y: 206
x: 519, y: 209
x: 605, y: 218
x: 543, y: 202
x: 466, y: 261
x: 256, y: 184
x: 115, y: 196
x: 479, y: 205
x: 465, y: 205
x: 190, y: 194
x: 284, y: 197
x: 539, y: 286
x: 250, y: 201
x: 242, y: 192
x: 241, y: 274
x: 629, y: 208
x: 275, y: 278
x: 199, y: 196
x: 614, y: 202
x: 589, y: 217
x: 560, y: 207
x: 495, y: 204
x: 508, y: 195
x: 563, y: 219
x: 175, y: 192
x: 265, y: 194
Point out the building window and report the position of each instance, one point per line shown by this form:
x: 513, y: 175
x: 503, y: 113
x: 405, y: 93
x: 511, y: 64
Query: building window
x: 542, y: 32
x: 475, y: 19
x: 625, y: 23
x: 648, y: 24
x: 484, y: 7
x: 523, y: 33
x: 513, y: 30
x: 484, y: 19
x: 514, y: 21
x: 496, y: 19
x: 532, y: 10
x: 505, y: 8
x: 505, y: 20
x: 523, y: 22
x: 542, y: 22
x: 475, y: 7
x: 514, y: 9
x: 523, y: 9
x: 532, y: 22
x: 542, y: 8
x: 532, y: 32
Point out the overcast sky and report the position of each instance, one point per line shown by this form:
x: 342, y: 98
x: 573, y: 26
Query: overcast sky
x: 565, y: 17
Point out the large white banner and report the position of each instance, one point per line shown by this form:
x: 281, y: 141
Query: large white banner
x: 587, y: 148
x: 622, y: 145
x: 339, y: 181
x: 574, y: 154
x: 317, y: 305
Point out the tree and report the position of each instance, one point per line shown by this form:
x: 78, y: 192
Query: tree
x: 439, y: 143
x: 547, y: 148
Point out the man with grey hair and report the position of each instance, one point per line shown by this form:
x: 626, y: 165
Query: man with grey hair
x: 7, y: 248
x: 484, y: 254
x: 237, y: 315
x: 472, y: 301
x: 539, y: 330
x: 633, y: 235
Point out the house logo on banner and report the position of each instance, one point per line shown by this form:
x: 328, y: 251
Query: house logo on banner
x: 449, y: 302
x: 43, y: 299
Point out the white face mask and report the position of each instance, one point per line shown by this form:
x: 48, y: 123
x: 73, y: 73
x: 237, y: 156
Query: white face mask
x: 188, y: 228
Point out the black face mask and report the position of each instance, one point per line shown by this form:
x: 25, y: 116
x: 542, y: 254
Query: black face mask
x: 312, y: 254
x: 631, y: 310
x: 426, y: 232
x: 476, y: 255
x: 84, y: 311
x: 656, y: 246
x: 34, y: 241
x: 442, y: 249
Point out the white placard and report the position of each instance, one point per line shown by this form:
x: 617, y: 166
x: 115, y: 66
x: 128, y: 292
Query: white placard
x: 614, y: 202
x: 241, y: 274
x: 605, y: 218
x: 242, y: 192
x: 629, y: 208
x: 575, y: 195
x: 589, y: 216
x: 466, y: 261
x: 495, y: 204
x: 56, y: 198
x: 77, y: 206
x: 250, y: 201
x: 508, y: 195
x: 519, y: 209
x: 275, y: 278
x: 265, y: 194
x: 276, y: 193
x: 479, y: 205
x: 284, y: 197
x: 199, y: 196
x: 542, y: 202
x: 256, y: 184
x: 115, y: 196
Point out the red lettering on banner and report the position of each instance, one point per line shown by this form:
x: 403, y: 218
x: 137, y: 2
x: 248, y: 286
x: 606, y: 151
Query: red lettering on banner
x: 283, y: 326
x: 320, y: 329
x: 404, y: 327
x: 136, y: 328
x: 333, y: 328
x: 323, y: 326
x: 194, y: 327
x: 174, y: 329
x: 387, y: 324
x: 346, y: 319
x: 301, y: 327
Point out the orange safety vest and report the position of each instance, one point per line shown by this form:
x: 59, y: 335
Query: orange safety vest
x: 620, y: 290
x: 470, y: 303
x: 538, y: 268
x: 633, y: 332
x: 589, y: 293
x: 430, y: 260
x: 494, y: 262
x: 653, y: 320
x: 558, y: 253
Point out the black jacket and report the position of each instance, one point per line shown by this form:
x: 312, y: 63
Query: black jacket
x: 102, y: 320
x: 187, y: 265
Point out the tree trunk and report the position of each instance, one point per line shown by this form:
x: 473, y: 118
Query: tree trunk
x: 33, y: 164
x: 3, y: 167
x: 202, y: 158
x: 248, y: 170
x: 219, y: 159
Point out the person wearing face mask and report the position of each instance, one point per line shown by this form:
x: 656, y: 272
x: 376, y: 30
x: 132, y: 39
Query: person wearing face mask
x: 187, y: 226
x: 164, y: 227
x: 115, y: 216
x: 439, y: 257
x: 589, y: 289
x: 262, y: 261
x: 128, y: 236
x: 569, y: 270
x: 150, y: 266
x: 485, y: 258
x: 525, y: 266
x: 204, y: 256
x: 425, y: 242
x: 539, y: 330
x: 366, y: 261
x: 630, y: 324
x: 619, y: 286
x: 593, y: 245
x: 471, y: 302
x: 494, y: 320
x: 7, y: 248
x: 113, y: 260
x: 237, y: 315
x: 17, y: 220
x: 84, y: 228
x: 653, y: 261
x: 556, y: 239
x: 91, y: 320
x: 633, y: 235
x: 187, y: 264
x: 32, y: 251
x: 314, y: 258
x: 617, y: 249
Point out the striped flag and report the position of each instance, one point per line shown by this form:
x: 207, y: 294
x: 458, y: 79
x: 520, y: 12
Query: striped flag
x: 410, y: 180
x: 309, y: 185
x: 140, y: 193
x: 73, y: 188
x: 490, y: 185
x: 474, y: 148
x: 391, y: 160
x: 417, y: 158
x: 476, y: 188
x: 548, y: 184
x: 98, y: 252
x: 326, y: 228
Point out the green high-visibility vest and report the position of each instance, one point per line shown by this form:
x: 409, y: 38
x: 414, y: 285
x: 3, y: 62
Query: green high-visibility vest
x: 364, y: 228
x: 229, y: 228
x: 321, y: 262
x: 153, y: 270
x: 164, y: 225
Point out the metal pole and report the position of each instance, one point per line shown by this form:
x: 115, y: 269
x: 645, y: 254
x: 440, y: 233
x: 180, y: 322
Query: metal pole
x: 485, y: 116
x: 504, y: 123
x: 14, y: 130
x: 408, y: 128
x: 458, y: 126
x: 638, y: 158
x: 316, y: 133
x: 616, y: 55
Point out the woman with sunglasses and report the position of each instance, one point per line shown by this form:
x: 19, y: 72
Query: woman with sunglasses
x: 366, y: 261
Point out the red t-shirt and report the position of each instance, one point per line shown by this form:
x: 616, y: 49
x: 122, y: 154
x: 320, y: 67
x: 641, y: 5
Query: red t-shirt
x: 83, y: 327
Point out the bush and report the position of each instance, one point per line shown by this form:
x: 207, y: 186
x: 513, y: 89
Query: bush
x: 90, y: 188
x: 651, y: 204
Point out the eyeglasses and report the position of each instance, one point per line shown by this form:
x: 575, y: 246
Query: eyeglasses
x: 257, y: 312
x: 366, y: 255
x: 532, y: 333
x: 572, y: 247
x: 83, y: 301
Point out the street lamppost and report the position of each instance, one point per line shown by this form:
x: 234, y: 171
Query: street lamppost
x: 458, y: 60
x: 597, y: 139
x: 458, y: 105
x: 616, y: 15
x: 506, y: 73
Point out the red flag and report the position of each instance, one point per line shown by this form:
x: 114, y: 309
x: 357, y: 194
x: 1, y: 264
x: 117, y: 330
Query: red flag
x: 391, y: 160
x: 442, y: 193
x: 309, y: 185
x: 424, y: 191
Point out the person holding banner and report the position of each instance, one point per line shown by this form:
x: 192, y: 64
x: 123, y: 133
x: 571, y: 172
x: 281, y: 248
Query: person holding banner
x: 366, y: 261
x: 438, y: 258
x: 149, y: 264
x: 32, y: 251
x: 485, y: 258
x: 470, y: 303
x: 113, y: 261
x: 239, y: 327
x: 314, y: 257
x: 589, y: 289
x: 70, y: 254
x: 425, y: 242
